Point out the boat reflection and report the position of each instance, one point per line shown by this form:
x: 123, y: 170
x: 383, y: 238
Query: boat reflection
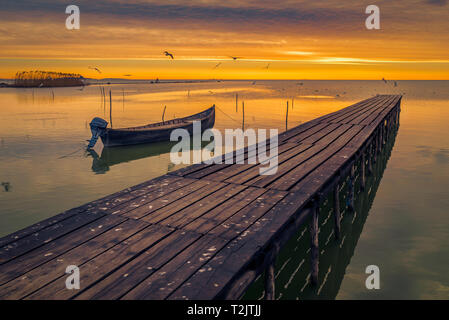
x: 116, y: 155
x: 292, y: 268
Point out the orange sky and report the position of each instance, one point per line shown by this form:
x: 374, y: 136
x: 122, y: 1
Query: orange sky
x: 284, y: 39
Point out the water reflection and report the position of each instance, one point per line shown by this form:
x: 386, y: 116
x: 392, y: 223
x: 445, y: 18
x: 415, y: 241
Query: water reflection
x: 292, y: 269
x: 116, y: 155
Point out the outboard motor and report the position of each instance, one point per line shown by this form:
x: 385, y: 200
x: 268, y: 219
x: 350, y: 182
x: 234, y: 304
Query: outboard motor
x: 97, y: 126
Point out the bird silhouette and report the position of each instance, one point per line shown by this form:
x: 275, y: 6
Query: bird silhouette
x: 267, y: 66
x: 217, y: 65
x: 234, y: 58
x: 168, y: 54
x: 127, y: 75
x: 95, y: 68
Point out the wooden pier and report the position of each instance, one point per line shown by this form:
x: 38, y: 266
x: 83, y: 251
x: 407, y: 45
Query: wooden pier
x: 205, y: 231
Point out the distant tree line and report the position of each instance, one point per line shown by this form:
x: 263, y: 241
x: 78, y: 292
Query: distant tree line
x: 47, y: 79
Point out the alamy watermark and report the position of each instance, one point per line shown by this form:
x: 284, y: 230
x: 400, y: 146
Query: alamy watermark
x: 223, y: 150
x: 73, y: 20
x: 373, y: 280
x: 73, y: 280
x: 373, y: 20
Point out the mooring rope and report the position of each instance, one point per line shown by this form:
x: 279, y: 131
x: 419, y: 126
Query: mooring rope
x: 228, y: 116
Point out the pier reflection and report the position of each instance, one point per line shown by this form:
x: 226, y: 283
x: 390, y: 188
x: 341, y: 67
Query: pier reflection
x: 292, y: 267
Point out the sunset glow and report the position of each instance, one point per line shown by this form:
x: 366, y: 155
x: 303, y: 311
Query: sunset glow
x: 273, y: 39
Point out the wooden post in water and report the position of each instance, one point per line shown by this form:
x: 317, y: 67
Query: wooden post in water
x: 314, y: 246
x: 163, y: 113
x: 337, y: 214
x: 286, y: 118
x: 236, y: 102
x: 243, y: 115
x: 270, y: 281
x: 110, y: 106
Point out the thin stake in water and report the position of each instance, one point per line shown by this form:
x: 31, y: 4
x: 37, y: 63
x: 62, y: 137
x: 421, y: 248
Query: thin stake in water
x: 236, y: 102
x: 243, y: 115
x: 163, y: 113
x: 110, y: 106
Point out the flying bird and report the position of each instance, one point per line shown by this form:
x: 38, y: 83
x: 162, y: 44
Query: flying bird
x: 267, y: 66
x: 127, y: 75
x: 217, y: 65
x: 168, y: 54
x: 234, y: 58
x: 95, y: 68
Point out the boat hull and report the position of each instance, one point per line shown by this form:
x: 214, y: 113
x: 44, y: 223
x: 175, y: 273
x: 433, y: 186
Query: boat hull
x: 122, y: 137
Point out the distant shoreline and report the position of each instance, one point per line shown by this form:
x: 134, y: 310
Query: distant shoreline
x: 110, y: 82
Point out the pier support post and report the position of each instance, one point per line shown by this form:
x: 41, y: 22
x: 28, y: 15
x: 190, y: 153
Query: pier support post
x: 381, y: 137
x: 351, y: 189
x: 270, y: 281
x: 377, y: 146
x: 337, y: 214
x: 362, y: 174
x: 370, y: 158
x: 314, y: 246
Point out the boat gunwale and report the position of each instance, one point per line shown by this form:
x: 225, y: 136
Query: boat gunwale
x: 170, y: 124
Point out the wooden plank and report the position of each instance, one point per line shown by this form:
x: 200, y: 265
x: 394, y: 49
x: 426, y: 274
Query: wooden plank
x: 44, y: 274
x: 69, y: 213
x: 365, y: 110
x: 371, y: 119
x: 316, y: 137
x: 239, y: 222
x: 219, y: 172
x: 216, y: 275
x: 122, y: 280
x: 158, y: 184
x: 53, y: 249
x: 52, y: 232
x: 307, y: 133
x: 105, y: 263
x: 155, y: 216
x: 376, y: 111
x: 162, y: 283
x: 140, y: 210
x: 339, y: 135
x: 347, y: 110
x: 179, y: 185
x: 355, y: 108
x: 299, y: 172
x: 220, y: 214
x: 202, y: 206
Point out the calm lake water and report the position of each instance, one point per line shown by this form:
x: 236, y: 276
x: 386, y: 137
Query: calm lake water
x: 44, y: 168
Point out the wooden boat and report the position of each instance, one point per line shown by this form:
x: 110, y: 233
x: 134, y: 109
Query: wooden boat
x: 149, y: 133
